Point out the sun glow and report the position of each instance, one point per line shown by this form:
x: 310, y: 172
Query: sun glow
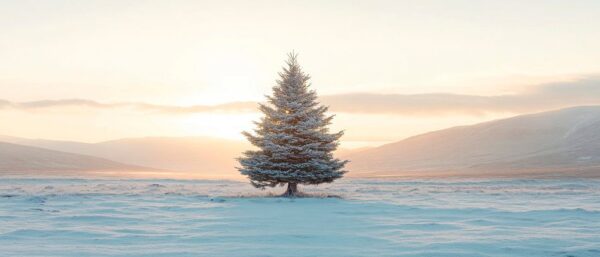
x: 223, y: 125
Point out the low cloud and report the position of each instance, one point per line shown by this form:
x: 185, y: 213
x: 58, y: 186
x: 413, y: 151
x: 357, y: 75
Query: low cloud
x: 4, y: 103
x: 42, y: 104
x: 585, y: 91
x: 58, y: 103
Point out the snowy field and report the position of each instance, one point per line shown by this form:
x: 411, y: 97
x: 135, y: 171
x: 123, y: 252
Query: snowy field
x: 94, y: 217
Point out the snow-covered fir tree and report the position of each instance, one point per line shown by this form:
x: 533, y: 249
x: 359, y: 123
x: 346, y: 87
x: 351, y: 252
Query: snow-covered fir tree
x: 294, y: 143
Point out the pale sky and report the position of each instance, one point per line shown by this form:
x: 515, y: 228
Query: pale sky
x: 487, y: 59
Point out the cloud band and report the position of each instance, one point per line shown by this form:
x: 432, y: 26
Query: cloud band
x: 584, y: 91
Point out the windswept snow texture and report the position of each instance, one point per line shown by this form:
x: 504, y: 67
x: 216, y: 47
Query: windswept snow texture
x: 82, y: 217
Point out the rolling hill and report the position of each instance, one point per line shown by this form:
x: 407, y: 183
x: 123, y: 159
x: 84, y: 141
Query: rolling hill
x: 201, y: 156
x: 562, y: 142
x: 20, y: 159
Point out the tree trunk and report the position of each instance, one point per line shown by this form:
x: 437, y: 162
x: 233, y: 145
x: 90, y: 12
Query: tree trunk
x: 292, y: 190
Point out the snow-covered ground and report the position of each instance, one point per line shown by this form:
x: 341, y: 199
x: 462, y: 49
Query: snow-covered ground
x: 95, y: 217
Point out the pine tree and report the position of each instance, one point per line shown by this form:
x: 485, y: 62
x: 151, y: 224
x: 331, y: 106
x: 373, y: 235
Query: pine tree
x: 294, y: 143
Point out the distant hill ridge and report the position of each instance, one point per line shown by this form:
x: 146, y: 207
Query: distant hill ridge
x: 18, y: 158
x: 202, y: 156
x: 562, y: 142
